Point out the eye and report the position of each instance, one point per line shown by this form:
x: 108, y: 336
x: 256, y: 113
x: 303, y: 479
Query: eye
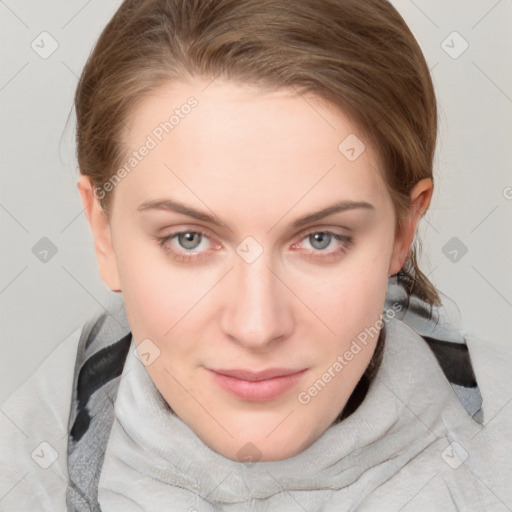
x: 192, y: 245
x: 180, y: 243
x: 320, y: 240
x: 189, y: 239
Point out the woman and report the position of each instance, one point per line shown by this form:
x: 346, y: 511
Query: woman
x: 253, y: 173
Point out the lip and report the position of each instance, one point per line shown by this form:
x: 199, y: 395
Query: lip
x: 257, y: 386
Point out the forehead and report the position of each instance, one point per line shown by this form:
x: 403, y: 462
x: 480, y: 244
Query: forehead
x: 226, y: 141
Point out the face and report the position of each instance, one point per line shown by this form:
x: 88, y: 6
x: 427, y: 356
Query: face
x: 251, y: 250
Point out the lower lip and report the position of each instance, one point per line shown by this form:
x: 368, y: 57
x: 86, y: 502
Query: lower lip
x: 257, y: 391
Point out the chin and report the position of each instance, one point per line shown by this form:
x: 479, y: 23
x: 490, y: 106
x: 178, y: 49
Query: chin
x: 264, y: 444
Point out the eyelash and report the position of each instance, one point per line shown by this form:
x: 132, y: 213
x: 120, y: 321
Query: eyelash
x: 345, y: 240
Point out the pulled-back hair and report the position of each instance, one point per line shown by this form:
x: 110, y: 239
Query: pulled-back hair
x: 359, y: 55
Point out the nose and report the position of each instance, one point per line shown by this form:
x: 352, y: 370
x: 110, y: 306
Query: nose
x: 257, y: 305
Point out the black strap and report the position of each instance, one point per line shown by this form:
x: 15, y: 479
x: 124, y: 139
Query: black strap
x: 454, y: 360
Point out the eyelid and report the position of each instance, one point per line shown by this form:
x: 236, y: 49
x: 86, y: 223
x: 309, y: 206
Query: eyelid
x: 324, y: 229
x: 187, y: 229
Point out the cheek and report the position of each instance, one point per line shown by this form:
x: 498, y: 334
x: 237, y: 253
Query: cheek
x: 352, y: 313
x: 158, y: 295
x: 352, y: 307
x: 351, y: 296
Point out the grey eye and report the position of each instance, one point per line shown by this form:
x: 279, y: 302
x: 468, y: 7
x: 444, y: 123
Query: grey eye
x: 189, y: 239
x: 321, y: 239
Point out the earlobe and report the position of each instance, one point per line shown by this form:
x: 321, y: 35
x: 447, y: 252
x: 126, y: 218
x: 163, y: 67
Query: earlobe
x: 420, y: 198
x: 101, y: 232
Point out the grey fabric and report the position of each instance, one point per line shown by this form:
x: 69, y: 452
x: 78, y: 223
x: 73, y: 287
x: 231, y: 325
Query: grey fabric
x: 434, y: 324
x: 471, y: 399
x: 90, y: 422
x: 399, y: 439
x: 86, y: 454
x: 464, y: 463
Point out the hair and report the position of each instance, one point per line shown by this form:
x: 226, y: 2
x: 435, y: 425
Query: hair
x: 358, y: 55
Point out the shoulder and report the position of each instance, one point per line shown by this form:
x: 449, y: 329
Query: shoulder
x: 490, y: 451
x: 469, y: 465
x: 34, y: 427
x: 492, y: 364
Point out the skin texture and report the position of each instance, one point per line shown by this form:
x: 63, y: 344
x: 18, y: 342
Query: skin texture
x: 256, y: 160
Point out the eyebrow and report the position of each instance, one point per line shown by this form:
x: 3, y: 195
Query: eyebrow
x: 175, y: 206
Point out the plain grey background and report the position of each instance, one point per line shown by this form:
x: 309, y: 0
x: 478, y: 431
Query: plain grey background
x: 46, y: 296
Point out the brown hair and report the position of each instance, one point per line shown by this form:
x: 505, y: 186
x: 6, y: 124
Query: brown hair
x: 359, y: 55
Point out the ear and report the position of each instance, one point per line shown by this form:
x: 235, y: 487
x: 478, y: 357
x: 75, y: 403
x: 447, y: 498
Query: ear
x: 420, y: 198
x: 100, y: 228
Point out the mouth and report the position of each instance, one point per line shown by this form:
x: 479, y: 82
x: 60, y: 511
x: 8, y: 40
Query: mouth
x: 257, y: 386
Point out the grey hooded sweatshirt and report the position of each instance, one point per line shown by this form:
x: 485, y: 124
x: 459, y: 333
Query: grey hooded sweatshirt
x: 423, y: 439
